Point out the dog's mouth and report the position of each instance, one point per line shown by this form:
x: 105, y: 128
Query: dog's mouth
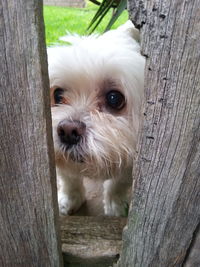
x: 77, y: 158
x: 74, y: 153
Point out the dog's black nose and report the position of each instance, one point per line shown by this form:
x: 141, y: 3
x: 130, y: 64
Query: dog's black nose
x: 70, y: 132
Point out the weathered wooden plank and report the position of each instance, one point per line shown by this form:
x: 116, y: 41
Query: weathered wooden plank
x: 28, y: 211
x: 165, y: 209
x: 91, y: 241
x: 193, y: 257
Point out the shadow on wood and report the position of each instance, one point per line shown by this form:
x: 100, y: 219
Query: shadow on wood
x: 91, y: 241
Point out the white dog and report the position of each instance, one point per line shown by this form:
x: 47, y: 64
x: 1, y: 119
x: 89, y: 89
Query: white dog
x: 96, y: 92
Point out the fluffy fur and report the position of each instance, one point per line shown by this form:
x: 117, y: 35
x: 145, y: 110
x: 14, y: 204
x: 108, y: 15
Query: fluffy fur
x: 86, y: 70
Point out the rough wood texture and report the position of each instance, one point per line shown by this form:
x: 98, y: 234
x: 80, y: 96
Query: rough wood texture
x: 91, y: 241
x: 193, y: 258
x: 27, y: 179
x: 165, y: 210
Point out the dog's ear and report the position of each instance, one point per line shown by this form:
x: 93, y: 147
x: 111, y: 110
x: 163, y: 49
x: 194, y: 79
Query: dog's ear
x: 130, y: 29
x: 124, y: 31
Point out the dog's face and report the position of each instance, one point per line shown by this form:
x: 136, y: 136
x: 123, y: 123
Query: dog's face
x: 96, y: 90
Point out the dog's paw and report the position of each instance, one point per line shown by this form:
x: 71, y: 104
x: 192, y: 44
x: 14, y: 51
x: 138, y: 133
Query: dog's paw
x: 70, y: 204
x: 115, y: 201
x: 115, y: 207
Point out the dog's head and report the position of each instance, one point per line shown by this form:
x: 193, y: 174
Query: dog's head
x: 96, y: 91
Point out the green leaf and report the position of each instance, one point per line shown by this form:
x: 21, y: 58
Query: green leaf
x: 120, y: 8
x: 101, y: 12
x: 105, y: 6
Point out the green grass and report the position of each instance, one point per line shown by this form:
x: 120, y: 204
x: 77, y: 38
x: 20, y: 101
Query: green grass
x: 59, y: 20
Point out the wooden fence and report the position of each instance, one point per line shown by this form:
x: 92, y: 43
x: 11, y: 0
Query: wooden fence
x: 28, y: 209
x: 165, y: 214
x: 164, y: 218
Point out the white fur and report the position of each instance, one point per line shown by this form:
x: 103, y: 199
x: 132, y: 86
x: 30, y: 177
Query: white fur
x: 84, y: 69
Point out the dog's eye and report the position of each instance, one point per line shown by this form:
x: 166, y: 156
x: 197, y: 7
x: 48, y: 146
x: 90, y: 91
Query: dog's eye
x: 115, y: 100
x: 58, y: 95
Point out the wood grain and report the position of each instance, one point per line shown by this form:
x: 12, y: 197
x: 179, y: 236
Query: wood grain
x: 28, y: 209
x: 165, y: 209
x: 91, y: 241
